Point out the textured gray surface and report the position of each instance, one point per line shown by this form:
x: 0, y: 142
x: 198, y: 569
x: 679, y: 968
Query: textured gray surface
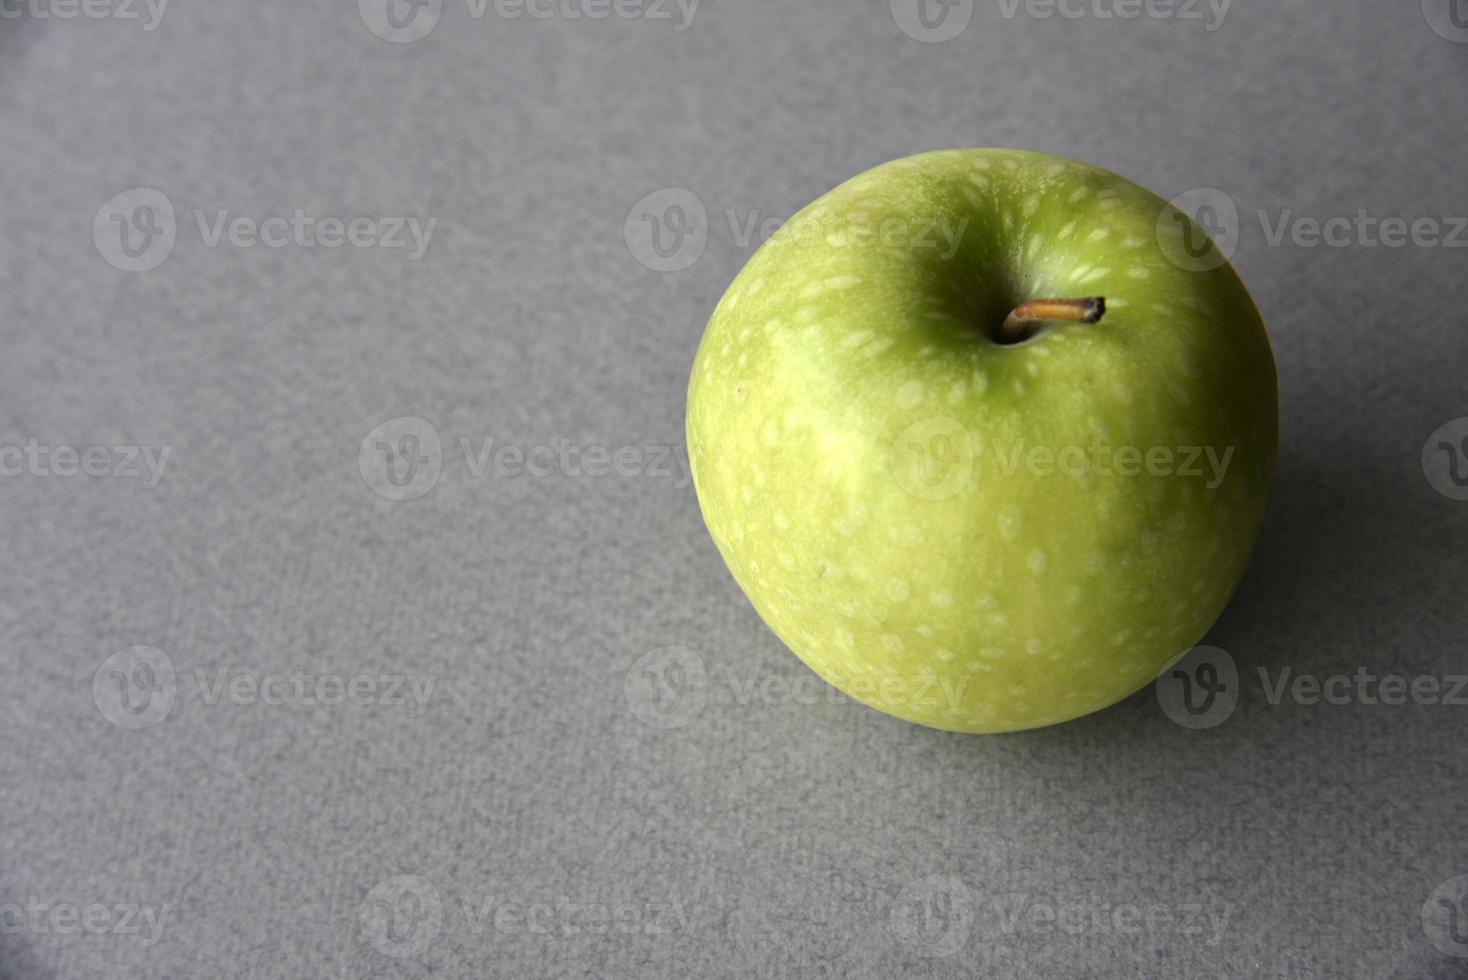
x: 759, y: 837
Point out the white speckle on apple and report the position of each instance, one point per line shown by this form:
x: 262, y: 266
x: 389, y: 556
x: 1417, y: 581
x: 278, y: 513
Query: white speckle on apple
x: 1099, y: 235
x: 1095, y: 274
x: 955, y: 394
x: 893, y: 643
x: 844, y: 640
x: 898, y: 590
x: 987, y: 601
x: 1079, y: 194
x: 841, y: 282
x: 1139, y: 272
x: 981, y: 382
x: 1038, y: 561
x: 1032, y: 205
x: 1135, y: 242
x: 1069, y: 230
x: 910, y: 395
x: 1012, y: 518
x: 945, y: 655
x: 1034, y: 645
x: 856, y: 339
x: 943, y: 600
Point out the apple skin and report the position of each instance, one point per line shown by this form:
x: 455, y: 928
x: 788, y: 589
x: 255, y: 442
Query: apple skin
x: 852, y: 425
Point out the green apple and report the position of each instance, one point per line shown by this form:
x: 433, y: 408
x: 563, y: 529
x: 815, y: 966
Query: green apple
x: 955, y: 483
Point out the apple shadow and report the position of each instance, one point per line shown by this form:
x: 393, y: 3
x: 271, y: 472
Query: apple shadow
x: 17, y: 34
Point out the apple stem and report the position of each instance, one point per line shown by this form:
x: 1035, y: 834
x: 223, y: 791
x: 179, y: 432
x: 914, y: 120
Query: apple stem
x: 1088, y: 310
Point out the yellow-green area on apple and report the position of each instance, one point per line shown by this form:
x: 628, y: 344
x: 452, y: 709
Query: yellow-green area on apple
x: 969, y: 519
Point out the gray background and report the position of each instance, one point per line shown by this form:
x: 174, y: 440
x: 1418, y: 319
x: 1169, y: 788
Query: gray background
x: 787, y: 838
